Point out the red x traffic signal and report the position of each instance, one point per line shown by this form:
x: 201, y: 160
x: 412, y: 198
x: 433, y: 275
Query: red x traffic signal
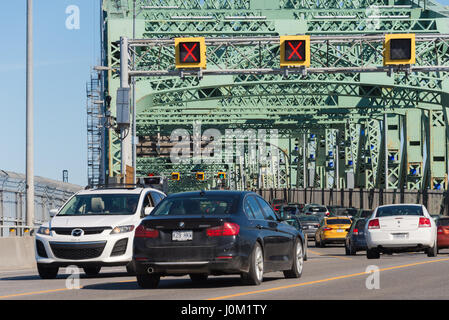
x: 190, y: 53
x: 295, y: 51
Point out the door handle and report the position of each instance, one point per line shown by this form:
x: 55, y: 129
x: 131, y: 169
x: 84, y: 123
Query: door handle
x: 259, y: 226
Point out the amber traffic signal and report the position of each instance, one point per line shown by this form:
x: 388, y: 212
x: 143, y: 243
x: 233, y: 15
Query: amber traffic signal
x: 399, y: 49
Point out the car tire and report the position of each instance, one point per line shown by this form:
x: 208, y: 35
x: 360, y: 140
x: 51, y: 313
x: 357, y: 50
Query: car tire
x: 92, y: 271
x: 47, y: 272
x: 198, y: 277
x: 372, y: 254
x: 347, y: 250
x: 432, y: 252
x: 256, y: 267
x: 148, y: 281
x: 322, y: 243
x: 317, y: 245
x: 298, y: 261
x: 352, y: 250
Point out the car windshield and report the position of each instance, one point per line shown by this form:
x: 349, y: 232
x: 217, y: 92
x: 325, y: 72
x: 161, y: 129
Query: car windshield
x: 309, y: 218
x: 338, y: 221
x: 399, y: 211
x: 360, y: 224
x: 206, y: 205
x: 101, y: 204
x: 443, y: 222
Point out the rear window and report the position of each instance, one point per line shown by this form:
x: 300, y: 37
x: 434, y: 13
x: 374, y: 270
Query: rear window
x: 207, y: 206
x: 338, y: 221
x: 443, y: 222
x: 351, y: 211
x: 366, y: 214
x: 278, y: 201
x: 289, y: 209
x: 399, y: 211
x: 360, y: 224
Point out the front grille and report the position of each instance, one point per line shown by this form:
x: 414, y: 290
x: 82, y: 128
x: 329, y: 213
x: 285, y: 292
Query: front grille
x: 119, y: 248
x: 87, y: 231
x: 77, y: 251
x: 41, y: 249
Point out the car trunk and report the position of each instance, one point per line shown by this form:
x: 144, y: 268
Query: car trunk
x: 183, y: 238
x: 399, y: 223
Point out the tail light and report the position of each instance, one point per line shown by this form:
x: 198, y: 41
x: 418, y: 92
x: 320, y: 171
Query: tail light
x: 374, y: 224
x: 424, y: 222
x: 228, y: 229
x: 327, y: 229
x: 327, y: 214
x: 142, y: 232
x: 356, y: 231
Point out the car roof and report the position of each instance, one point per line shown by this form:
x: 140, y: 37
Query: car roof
x: 401, y: 204
x: 211, y: 193
x: 116, y: 191
x: 334, y: 218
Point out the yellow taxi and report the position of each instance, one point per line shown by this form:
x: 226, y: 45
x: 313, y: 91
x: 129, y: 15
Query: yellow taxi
x: 332, y: 230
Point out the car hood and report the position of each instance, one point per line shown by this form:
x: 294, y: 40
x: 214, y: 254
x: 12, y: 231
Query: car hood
x: 92, y: 221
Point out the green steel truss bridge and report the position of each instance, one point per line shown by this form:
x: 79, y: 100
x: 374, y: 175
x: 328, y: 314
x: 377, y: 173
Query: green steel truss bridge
x: 345, y: 122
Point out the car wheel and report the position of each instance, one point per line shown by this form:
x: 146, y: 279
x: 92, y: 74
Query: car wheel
x: 433, y: 252
x: 298, y: 262
x: 347, y: 250
x: 47, y: 272
x: 256, y: 267
x: 92, y: 271
x: 198, y: 277
x: 316, y: 243
x: 322, y: 243
x: 372, y: 254
x: 352, y: 250
x: 148, y: 281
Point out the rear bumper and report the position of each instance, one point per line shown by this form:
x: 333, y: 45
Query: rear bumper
x: 233, y: 265
x: 420, y: 239
x: 443, y: 241
x: 334, y: 240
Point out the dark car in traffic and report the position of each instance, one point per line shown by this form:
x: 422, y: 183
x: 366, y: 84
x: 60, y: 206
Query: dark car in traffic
x: 310, y: 224
x: 277, y: 204
x: 289, y: 209
x: 215, y: 233
x: 355, y: 239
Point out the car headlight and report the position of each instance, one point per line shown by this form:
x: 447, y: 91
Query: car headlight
x: 122, y: 229
x: 44, y: 231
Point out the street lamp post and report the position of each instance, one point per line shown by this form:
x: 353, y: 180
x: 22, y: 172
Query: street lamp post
x: 29, y: 119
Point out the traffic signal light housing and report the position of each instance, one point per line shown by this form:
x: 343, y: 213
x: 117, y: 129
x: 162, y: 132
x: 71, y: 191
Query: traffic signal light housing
x: 399, y: 49
x: 221, y: 175
x: 295, y: 51
x: 200, y: 176
x: 190, y: 53
x: 176, y: 176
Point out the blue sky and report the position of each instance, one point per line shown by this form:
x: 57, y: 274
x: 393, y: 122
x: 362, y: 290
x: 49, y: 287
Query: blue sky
x: 63, y: 60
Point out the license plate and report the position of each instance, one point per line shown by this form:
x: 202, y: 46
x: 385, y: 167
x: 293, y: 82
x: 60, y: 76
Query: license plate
x: 182, y: 235
x: 400, y: 235
x: 340, y: 230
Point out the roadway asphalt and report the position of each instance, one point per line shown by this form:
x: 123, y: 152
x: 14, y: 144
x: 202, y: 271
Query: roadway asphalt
x: 328, y: 274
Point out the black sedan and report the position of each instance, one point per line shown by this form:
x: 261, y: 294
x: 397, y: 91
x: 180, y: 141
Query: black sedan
x: 215, y: 233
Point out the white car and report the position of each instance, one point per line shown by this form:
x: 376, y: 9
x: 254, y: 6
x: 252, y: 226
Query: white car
x: 94, y: 228
x: 400, y: 228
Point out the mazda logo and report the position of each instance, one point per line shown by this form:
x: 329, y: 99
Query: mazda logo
x: 77, y: 232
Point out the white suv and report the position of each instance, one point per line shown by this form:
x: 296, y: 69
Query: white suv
x: 94, y: 228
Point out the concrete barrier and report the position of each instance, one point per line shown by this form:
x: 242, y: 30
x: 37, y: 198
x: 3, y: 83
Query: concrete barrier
x: 17, y: 253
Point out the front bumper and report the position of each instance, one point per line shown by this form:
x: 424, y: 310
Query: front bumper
x: 91, y: 250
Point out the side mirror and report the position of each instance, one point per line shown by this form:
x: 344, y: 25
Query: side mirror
x: 53, y: 212
x: 148, y: 210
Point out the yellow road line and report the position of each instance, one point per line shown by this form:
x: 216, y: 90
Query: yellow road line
x: 323, y: 280
x: 35, y: 292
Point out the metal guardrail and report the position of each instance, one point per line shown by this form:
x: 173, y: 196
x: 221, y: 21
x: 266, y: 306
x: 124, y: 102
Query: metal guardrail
x: 17, y: 231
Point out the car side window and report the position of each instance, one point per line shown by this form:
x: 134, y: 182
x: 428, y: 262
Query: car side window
x: 247, y: 208
x: 256, y: 209
x: 267, y: 210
